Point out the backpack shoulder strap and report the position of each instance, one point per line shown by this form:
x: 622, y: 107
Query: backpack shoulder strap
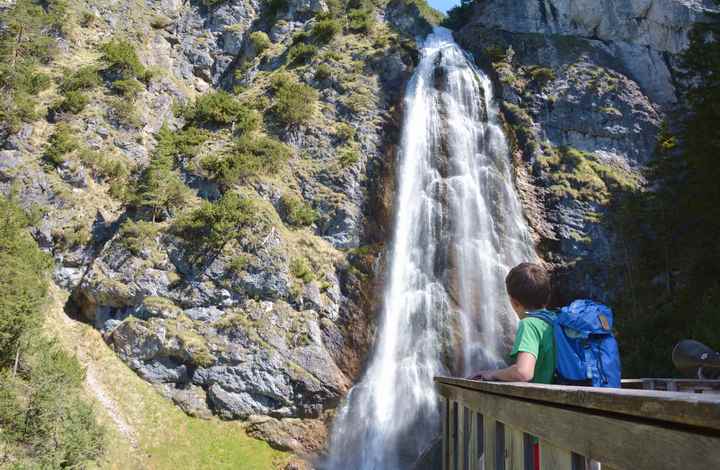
x: 542, y: 315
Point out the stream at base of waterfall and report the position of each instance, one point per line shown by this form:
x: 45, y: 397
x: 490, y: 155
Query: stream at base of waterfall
x: 458, y: 229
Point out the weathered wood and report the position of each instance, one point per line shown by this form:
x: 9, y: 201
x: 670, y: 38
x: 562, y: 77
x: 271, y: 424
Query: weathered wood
x: 452, y: 441
x: 489, y: 425
x: 626, y: 444
x: 467, y: 438
x: 514, y: 449
x: 460, y: 437
x: 679, y: 385
x: 473, y: 441
x: 444, y: 403
x: 480, y: 441
x: 702, y: 410
x: 554, y: 458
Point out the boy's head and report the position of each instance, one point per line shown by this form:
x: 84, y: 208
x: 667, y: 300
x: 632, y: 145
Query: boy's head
x: 528, y: 286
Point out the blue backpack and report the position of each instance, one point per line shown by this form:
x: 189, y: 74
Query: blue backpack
x: 586, y: 351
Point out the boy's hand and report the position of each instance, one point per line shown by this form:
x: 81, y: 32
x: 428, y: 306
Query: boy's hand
x: 483, y: 375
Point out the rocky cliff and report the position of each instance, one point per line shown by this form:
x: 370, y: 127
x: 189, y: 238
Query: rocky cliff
x: 586, y: 88
x: 213, y: 180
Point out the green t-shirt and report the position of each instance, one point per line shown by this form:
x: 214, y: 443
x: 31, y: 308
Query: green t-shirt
x: 535, y: 336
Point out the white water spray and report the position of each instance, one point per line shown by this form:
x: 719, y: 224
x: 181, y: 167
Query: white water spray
x: 459, y: 228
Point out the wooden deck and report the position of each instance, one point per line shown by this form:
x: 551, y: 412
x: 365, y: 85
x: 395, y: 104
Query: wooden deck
x: 493, y: 425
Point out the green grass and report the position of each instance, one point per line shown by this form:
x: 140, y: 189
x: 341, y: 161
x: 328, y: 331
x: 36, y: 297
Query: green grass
x: 166, y: 437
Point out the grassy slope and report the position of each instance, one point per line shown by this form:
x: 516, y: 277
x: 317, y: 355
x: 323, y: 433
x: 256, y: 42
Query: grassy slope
x: 158, y: 434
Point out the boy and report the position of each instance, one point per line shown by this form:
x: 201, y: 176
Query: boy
x: 528, y: 286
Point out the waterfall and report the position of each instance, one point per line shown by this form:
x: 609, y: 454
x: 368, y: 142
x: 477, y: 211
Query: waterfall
x: 458, y: 229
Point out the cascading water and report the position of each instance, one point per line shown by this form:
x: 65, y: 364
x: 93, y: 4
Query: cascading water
x: 458, y: 229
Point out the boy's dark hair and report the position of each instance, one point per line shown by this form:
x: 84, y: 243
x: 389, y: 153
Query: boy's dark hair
x: 529, y: 284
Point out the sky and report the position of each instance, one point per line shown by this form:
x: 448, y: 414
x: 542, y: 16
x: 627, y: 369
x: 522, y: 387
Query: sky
x: 443, y: 5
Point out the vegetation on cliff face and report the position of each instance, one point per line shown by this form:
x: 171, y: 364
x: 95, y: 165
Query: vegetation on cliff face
x: 44, y: 422
x: 196, y: 160
x: 673, y: 280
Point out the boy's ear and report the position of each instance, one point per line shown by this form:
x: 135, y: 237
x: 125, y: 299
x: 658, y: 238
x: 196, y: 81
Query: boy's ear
x: 517, y: 306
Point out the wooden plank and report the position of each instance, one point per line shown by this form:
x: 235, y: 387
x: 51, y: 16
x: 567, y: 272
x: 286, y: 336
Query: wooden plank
x: 444, y: 404
x: 452, y: 461
x: 467, y: 438
x: 514, y: 449
x: 473, y: 441
x: 694, y: 409
x: 480, y: 441
x: 554, y: 458
x: 625, y: 444
x: 489, y: 425
x: 461, y: 437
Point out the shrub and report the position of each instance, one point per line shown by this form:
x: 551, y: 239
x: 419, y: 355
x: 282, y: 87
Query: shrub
x: 61, y: 143
x: 212, y: 225
x: 260, y: 41
x: 27, y: 80
x: 344, y: 131
x: 348, y: 156
x: 103, y: 165
x: 160, y: 189
x: 122, y: 59
x: 295, y: 102
x: 129, y: 88
x: 27, y: 39
x: 296, y: 211
x: 323, y: 72
x: 301, y: 269
x: 250, y: 156
x: 221, y: 108
x: 361, y: 20
x: 48, y: 417
x: 86, y: 78
x: 23, y: 270
x: 301, y: 54
x: 301, y: 36
x: 325, y: 30
x: 125, y: 113
x: 73, y: 102
x: 135, y: 236
x: 542, y: 75
x: 187, y: 141
x: 238, y: 263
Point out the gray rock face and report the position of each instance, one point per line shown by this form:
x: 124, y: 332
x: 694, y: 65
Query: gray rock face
x: 585, y: 87
x: 244, y: 331
x: 661, y: 24
x: 640, y: 32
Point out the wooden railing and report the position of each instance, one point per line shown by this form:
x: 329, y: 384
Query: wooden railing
x: 495, y: 426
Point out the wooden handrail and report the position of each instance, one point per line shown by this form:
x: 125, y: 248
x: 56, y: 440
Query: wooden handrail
x: 492, y: 425
x: 694, y: 409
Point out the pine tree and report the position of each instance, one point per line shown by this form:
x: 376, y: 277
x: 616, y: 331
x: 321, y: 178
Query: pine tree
x: 160, y: 189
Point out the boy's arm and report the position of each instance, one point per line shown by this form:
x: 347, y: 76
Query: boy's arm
x: 522, y: 371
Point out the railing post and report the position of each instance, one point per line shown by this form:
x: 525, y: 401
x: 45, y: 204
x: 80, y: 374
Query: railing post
x: 445, y: 411
x: 460, y: 465
x: 480, y: 448
x: 554, y: 458
x: 514, y: 449
x: 453, y: 461
x: 489, y: 431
